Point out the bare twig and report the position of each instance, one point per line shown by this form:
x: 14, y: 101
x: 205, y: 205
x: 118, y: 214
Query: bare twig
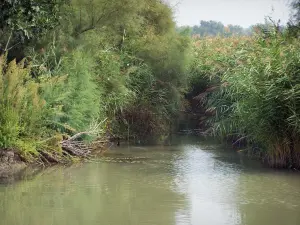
x: 13, y: 46
x: 7, y: 43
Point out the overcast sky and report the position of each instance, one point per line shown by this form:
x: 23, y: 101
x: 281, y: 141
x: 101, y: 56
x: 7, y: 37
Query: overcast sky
x: 237, y: 12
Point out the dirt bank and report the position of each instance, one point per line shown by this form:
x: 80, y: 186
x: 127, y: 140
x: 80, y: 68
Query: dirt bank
x: 10, y: 163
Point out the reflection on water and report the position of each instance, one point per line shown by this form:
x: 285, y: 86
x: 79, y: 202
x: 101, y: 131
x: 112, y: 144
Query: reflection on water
x: 190, y: 184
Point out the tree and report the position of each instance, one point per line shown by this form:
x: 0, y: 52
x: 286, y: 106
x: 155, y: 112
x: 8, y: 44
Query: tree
x: 23, y: 20
x: 214, y: 28
x: 296, y: 10
x: 100, y: 14
x: 294, y: 24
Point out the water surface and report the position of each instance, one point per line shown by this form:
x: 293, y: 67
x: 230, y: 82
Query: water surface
x: 188, y: 184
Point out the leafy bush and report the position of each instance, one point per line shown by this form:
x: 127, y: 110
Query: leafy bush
x: 121, y: 62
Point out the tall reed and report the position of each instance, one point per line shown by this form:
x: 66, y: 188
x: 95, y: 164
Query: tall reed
x: 258, y: 94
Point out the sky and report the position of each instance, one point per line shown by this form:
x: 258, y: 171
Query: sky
x: 236, y: 12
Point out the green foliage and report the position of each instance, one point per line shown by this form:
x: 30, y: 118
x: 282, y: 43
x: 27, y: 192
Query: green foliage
x: 256, y: 95
x: 24, y: 22
x: 20, y: 104
x: 294, y: 23
x: 29, y: 18
x: 103, y: 15
x: 295, y: 5
x: 146, y: 117
x: 81, y: 105
x: 113, y: 72
x: 116, y: 61
x: 125, y: 62
x: 138, y: 45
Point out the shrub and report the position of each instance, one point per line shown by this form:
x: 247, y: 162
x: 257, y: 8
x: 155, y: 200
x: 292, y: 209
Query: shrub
x: 21, y: 106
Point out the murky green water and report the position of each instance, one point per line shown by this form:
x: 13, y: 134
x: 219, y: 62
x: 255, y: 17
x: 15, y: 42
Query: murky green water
x: 190, y: 184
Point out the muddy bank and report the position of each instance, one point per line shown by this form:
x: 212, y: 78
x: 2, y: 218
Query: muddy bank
x: 10, y: 164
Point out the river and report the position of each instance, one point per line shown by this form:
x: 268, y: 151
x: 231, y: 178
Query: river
x: 191, y: 183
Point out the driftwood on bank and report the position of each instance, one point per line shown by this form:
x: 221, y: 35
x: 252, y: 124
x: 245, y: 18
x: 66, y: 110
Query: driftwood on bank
x: 49, y: 158
x: 73, y: 147
x: 77, y: 148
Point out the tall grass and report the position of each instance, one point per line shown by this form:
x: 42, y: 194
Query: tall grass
x: 258, y: 93
x: 21, y: 107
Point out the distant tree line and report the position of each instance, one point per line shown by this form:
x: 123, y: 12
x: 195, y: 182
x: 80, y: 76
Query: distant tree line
x: 294, y: 23
x: 215, y: 28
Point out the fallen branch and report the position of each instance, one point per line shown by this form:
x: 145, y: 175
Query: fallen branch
x: 76, y: 148
x: 76, y: 136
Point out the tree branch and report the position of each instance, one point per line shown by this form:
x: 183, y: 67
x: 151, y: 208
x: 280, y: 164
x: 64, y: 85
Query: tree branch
x: 76, y: 136
x: 84, y: 30
x: 7, y: 43
x: 93, y: 24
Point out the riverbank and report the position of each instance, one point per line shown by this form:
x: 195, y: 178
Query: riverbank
x: 10, y: 163
x: 72, y: 151
x: 179, y: 184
